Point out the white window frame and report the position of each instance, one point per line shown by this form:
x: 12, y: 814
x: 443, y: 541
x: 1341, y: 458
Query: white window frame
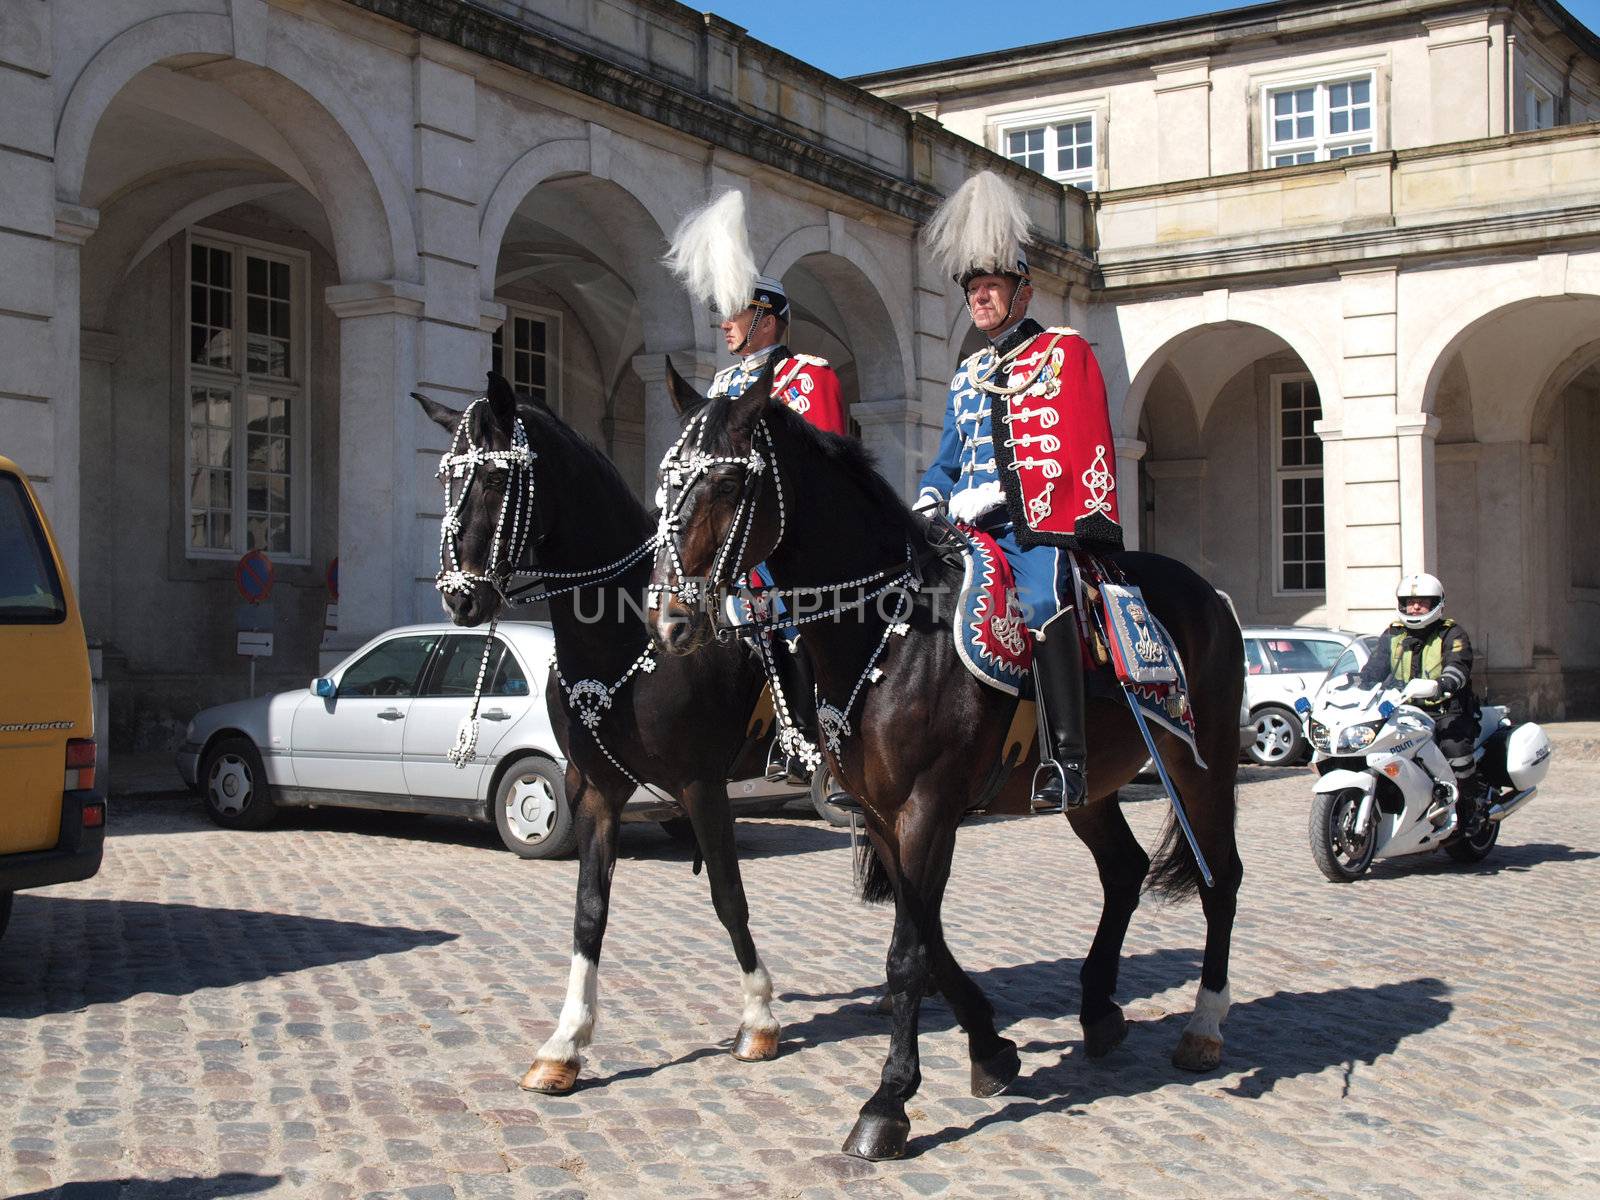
x: 296, y: 388
x: 1531, y: 94
x: 1281, y: 473
x: 1322, y: 145
x: 1047, y: 121
x: 555, y: 393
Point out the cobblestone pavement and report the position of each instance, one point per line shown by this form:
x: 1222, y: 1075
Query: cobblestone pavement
x: 343, y: 1007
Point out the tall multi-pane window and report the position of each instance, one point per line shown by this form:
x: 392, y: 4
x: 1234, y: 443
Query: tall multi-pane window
x: 1063, y: 150
x: 1297, y: 476
x: 531, y: 362
x: 1315, y: 122
x: 245, y: 417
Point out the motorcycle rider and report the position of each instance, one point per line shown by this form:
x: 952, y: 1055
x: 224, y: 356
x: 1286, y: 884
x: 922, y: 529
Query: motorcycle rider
x: 1430, y: 657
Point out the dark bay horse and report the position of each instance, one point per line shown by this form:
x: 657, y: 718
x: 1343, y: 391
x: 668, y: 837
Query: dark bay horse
x: 748, y: 481
x: 555, y: 504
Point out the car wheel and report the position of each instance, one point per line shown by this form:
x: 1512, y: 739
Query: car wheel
x: 235, y: 786
x: 531, y: 810
x: 5, y: 911
x: 1279, y: 740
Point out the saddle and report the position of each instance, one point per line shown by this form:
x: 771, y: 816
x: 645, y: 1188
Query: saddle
x: 1128, y: 654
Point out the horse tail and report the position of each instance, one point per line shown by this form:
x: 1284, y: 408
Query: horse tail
x: 871, y: 876
x: 1174, y: 875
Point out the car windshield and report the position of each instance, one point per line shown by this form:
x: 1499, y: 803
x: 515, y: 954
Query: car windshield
x: 30, y: 590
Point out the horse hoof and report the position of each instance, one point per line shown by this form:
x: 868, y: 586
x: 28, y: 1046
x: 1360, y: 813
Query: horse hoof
x: 756, y: 1045
x: 876, y: 1138
x: 991, y: 1075
x: 552, y: 1078
x: 1196, y: 1052
x: 1102, y: 1036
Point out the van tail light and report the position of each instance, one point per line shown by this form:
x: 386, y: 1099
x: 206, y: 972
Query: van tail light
x: 80, y: 766
x: 94, y: 815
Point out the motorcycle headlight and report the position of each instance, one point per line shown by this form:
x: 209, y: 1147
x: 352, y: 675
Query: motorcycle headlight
x: 1357, y: 737
x: 1318, y: 733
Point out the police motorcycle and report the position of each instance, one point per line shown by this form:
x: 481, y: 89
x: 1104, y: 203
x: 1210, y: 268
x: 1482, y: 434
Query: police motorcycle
x: 1386, y: 790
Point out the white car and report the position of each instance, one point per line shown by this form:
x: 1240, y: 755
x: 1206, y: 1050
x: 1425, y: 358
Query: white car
x: 1282, y: 664
x: 373, y: 733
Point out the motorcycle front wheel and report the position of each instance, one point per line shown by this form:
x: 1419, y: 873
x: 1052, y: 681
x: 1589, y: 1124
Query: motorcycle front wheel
x: 1339, y: 854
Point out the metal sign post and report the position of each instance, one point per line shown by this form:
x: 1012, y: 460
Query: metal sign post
x: 253, y: 619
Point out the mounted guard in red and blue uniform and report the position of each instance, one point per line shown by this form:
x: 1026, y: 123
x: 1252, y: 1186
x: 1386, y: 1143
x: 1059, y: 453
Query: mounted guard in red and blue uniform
x: 1027, y: 456
x: 711, y: 253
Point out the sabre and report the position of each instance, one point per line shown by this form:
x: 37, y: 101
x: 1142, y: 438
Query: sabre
x: 1166, y: 782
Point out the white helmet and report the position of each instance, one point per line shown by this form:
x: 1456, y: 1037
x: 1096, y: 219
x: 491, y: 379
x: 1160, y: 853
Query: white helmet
x: 1429, y: 588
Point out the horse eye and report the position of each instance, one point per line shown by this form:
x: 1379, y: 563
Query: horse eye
x: 725, y: 489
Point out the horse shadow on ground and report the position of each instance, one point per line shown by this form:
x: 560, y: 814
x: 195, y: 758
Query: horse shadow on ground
x: 63, y: 953
x: 1285, y: 1035
x: 1503, y: 858
x: 1046, y: 989
x: 234, y: 1183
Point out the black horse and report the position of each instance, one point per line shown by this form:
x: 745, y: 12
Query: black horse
x: 555, y: 504
x: 747, y: 481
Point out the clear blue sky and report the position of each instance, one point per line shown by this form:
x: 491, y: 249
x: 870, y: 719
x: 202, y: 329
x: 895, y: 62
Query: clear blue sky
x: 852, y: 37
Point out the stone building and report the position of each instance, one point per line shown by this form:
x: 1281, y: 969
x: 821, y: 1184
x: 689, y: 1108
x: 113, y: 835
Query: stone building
x: 1347, y: 294
x: 234, y: 234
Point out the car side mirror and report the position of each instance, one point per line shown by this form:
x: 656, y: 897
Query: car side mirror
x: 1302, y: 705
x: 324, y: 687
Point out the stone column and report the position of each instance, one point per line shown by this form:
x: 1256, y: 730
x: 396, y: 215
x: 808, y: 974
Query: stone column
x: 73, y: 227
x: 378, y: 323
x: 98, y: 351
x: 892, y: 430
x: 1362, y: 475
x: 661, y: 421
x: 1130, y: 451
x: 1419, y: 520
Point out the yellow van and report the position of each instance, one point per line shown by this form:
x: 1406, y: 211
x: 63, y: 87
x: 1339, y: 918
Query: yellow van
x: 52, y: 820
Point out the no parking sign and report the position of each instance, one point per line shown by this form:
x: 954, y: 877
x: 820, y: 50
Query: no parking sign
x: 253, y: 577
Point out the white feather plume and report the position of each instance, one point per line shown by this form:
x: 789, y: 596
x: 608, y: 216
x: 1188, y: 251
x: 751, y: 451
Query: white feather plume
x: 710, y: 252
x: 982, y: 224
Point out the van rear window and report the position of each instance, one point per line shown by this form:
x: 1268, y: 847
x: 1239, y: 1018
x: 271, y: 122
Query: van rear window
x: 30, y: 589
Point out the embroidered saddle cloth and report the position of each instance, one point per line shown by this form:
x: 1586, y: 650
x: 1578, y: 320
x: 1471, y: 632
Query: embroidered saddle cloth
x: 1146, y: 662
x: 991, y: 636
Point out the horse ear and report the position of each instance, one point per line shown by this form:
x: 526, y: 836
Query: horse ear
x: 681, y: 392
x: 439, y: 414
x: 502, y: 401
x: 754, y: 401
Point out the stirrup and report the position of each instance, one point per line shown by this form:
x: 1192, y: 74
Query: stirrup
x: 1051, y: 790
x: 777, y: 768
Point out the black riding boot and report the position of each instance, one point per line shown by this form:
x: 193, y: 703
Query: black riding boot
x: 1058, y: 680
x: 800, y: 697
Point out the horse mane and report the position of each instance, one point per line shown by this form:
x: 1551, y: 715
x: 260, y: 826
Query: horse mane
x: 580, y: 450
x: 853, y: 460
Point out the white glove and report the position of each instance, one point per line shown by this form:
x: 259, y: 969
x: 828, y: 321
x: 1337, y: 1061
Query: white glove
x: 1421, y: 689
x: 927, y: 502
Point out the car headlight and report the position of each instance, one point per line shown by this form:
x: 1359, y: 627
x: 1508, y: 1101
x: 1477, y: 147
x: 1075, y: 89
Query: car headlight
x: 1357, y: 737
x: 1318, y: 733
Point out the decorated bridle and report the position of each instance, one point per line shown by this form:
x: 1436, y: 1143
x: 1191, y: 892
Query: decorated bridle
x: 513, y: 538
x: 682, y: 469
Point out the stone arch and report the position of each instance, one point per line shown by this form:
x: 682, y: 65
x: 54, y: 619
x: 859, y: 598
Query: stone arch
x: 367, y: 203
x: 853, y: 275
x: 1526, y: 283
x: 1151, y: 347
